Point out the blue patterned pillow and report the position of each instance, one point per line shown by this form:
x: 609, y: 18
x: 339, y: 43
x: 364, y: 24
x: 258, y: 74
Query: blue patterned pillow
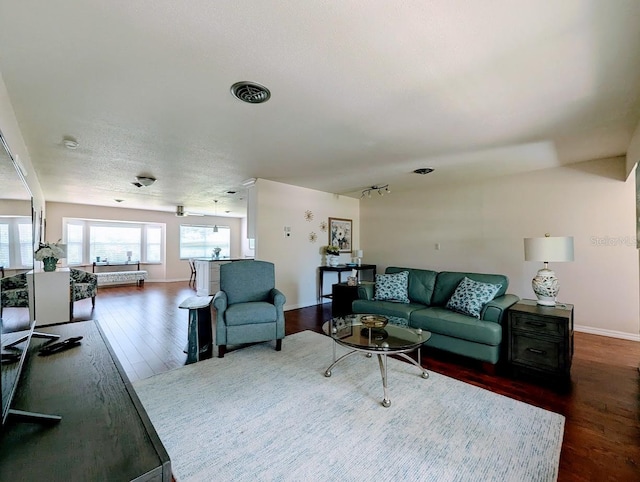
x: 470, y: 296
x: 392, y: 287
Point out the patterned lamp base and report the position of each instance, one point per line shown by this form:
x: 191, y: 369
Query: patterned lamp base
x: 545, y: 286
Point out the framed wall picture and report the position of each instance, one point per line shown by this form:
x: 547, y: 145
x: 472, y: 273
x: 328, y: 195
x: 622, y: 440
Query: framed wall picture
x: 340, y: 234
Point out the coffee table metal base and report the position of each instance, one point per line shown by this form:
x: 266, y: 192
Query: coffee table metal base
x: 382, y: 361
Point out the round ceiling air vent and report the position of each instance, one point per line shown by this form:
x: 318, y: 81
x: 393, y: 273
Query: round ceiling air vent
x: 424, y: 170
x: 250, y: 92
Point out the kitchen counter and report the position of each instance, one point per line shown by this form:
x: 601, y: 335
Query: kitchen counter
x: 208, y: 274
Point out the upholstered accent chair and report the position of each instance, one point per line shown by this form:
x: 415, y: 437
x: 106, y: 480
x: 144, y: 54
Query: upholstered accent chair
x: 249, y: 308
x: 83, y: 285
x: 14, y: 292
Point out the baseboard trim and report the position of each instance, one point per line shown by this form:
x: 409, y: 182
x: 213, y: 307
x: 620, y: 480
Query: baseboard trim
x: 610, y: 333
x: 297, y: 306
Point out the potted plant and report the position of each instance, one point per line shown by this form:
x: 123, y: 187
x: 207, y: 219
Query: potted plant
x: 332, y: 253
x: 49, y: 254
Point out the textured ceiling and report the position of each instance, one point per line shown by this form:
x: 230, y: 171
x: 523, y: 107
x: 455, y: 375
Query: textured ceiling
x: 363, y: 92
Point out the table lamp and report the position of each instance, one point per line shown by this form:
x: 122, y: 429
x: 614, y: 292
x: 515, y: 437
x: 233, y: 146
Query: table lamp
x: 548, y: 249
x: 357, y: 255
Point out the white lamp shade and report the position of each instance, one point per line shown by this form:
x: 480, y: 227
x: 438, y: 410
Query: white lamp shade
x: 548, y: 249
x: 357, y: 253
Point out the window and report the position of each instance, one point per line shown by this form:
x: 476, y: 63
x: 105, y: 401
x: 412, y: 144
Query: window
x: 16, y: 242
x: 154, y: 244
x: 75, y: 237
x: 200, y: 241
x: 114, y: 241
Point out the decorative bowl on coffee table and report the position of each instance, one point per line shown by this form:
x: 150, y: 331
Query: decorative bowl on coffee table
x: 374, y: 321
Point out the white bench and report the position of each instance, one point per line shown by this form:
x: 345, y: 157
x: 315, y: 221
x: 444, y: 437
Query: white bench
x: 121, y: 277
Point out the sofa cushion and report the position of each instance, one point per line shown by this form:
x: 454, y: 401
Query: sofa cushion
x: 470, y: 296
x: 449, y: 323
x: 448, y: 281
x: 386, y: 308
x: 250, y: 313
x: 392, y: 287
x: 421, y: 283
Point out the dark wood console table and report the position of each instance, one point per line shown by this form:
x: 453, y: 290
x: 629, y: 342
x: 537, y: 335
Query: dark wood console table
x: 107, y: 263
x: 341, y: 268
x: 104, y: 434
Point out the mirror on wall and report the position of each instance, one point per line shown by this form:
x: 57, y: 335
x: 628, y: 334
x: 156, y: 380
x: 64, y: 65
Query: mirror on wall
x: 16, y: 238
x: 16, y: 259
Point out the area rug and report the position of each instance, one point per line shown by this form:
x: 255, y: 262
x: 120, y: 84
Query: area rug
x: 259, y: 414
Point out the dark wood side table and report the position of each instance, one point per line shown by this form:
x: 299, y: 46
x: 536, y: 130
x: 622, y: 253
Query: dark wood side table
x: 200, y: 337
x: 540, y: 340
x: 342, y: 297
x: 341, y: 269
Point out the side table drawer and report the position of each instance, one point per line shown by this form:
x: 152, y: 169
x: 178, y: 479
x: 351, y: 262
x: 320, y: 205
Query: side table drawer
x: 537, y: 324
x: 536, y: 352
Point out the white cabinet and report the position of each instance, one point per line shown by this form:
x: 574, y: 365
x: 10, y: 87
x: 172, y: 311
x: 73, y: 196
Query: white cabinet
x: 52, y: 289
x: 208, y: 276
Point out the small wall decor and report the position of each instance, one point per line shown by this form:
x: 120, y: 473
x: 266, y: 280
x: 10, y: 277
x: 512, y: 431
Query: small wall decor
x: 313, y: 237
x: 308, y: 216
x: 340, y: 234
x: 323, y: 226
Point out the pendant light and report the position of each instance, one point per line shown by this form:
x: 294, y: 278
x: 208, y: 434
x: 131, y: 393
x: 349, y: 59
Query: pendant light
x: 215, y: 227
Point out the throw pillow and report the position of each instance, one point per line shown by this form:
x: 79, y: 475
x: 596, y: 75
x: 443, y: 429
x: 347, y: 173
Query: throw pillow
x: 470, y: 296
x: 392, y: 287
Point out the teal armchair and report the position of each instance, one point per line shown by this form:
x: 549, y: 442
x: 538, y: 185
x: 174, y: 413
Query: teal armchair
x: 249, y: 309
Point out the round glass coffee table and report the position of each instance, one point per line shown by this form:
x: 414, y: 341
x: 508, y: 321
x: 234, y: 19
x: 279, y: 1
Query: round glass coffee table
x: 379, y: 335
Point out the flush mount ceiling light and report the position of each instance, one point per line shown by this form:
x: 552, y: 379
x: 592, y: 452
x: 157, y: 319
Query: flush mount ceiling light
x: 250, y: 92
x: 144, y: 181
x: 70, y: 143
x: 423, y: 170
x: 382, y: 190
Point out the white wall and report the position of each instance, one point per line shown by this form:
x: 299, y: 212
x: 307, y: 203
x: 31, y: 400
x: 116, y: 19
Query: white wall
x: 481, y: 226
x: 297, y: 258
x: 11, y: 132
x: 174, y: 269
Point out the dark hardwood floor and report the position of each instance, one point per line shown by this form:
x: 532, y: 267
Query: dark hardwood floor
x: 602, y: 406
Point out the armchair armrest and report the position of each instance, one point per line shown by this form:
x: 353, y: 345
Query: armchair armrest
x: 220, y: 301
x: 495, y: 309
x: 277, y: 297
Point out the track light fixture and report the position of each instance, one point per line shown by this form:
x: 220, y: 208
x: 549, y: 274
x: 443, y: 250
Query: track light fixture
x: 382, y: 190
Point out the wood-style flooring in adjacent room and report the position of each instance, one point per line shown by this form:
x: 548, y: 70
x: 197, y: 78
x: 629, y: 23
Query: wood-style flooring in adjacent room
x: 148, y: 333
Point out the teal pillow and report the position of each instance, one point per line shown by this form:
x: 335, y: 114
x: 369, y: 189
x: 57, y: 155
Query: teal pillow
x: 392, y: 287
x: 470, y: 296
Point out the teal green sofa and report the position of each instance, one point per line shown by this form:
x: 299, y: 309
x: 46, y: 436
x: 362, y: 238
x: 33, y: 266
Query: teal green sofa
x: 428, y: 293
